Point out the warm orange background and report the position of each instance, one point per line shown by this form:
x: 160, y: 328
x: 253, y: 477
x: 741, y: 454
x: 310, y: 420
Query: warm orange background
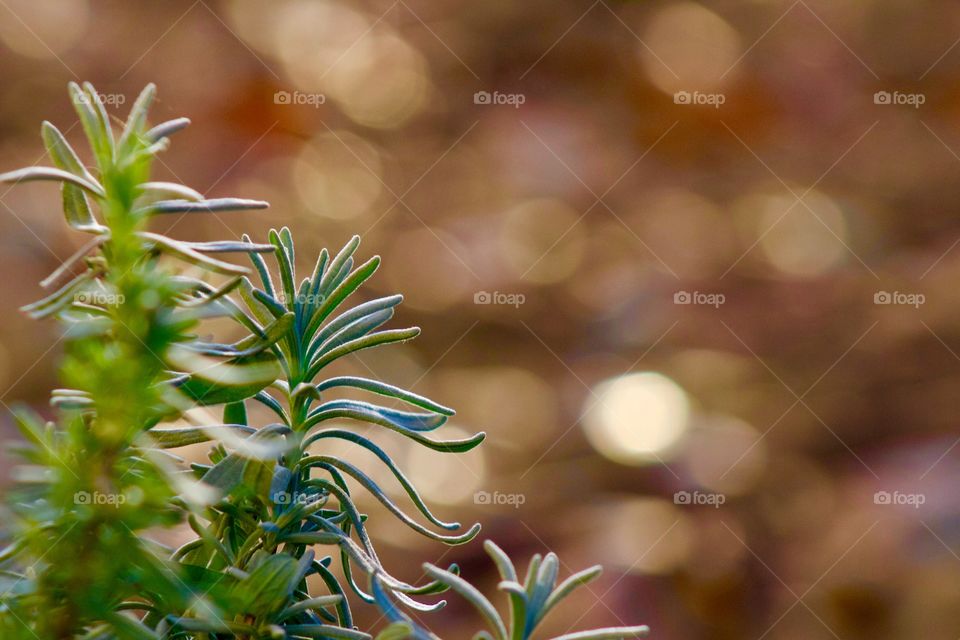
x: 600, y: 197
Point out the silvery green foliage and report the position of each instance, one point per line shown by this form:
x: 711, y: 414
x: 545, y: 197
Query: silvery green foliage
x: 529, y: 601
x: 272, y: 496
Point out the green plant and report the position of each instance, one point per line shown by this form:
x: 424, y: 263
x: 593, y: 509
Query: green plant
x: 80, y: 563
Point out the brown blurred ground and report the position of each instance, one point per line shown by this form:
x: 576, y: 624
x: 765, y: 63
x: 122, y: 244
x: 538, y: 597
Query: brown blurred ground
x: 599, y: 198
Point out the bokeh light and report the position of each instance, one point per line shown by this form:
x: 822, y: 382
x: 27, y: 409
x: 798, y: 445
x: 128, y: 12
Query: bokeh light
x: 687, y: 46
x: 43, y: 28
x: 636, y: 418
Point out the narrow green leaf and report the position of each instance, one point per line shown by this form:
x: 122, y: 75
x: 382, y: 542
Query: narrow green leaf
x: 610, y: 633
x: 137, y: 119
x: 62, y: 154
x: 171, y: 438
x: 235, y: 413
x: 92, y: 127
x: 366, y: 342
x: 471, y: 595
x: 330, y: 278
x: 396, y: 631
x: 154, y: 191
x: 103, y: 118
x: 568, y: 586
x: 408, y: 486
x: 183, y: 251
x: 309, y: 604
x: 29, y: 174
x: 287, y: 275
x: 342, y: 291
x: 325, y: 631
x: 349, y: 317
x: 501, y: 559
x: 77, y: 210
x: 214, y: 382
x: 166, y: 129
x: 375, y: 415
x: 383, y: 389
x: 268, y: 587
x: 204, y: 206
x: 229, y: 246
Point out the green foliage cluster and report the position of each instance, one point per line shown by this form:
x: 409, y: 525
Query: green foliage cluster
x: 98, y: 480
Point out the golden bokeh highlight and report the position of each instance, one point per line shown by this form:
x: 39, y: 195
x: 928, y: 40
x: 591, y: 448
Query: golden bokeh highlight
x: 338, y: 175
x: 445, y: 477
x: 541, y: 241
x: 43, y: 29
x: 636, y: 418
x: 688, y: 228
x: 375, y: 76
x: 724, y: 454
x: 645, y: 535
x: 426, y: 264
x: 800, y: 239
x: 688, y: 47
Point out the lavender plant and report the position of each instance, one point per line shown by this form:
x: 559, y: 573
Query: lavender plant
x: 101, y: 476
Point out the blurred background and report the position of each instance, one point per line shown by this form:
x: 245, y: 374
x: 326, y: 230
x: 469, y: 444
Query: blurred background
x: 692, y: 266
